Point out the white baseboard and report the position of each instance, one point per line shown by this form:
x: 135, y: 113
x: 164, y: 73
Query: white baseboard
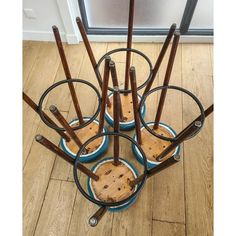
x: 48, y: 36
x: 73, y: 39
x: 149, y: 39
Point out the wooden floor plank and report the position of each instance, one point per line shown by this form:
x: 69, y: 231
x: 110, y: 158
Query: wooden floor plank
x: 30, y: 53
x: 167, y: 229
x: 30, y: 125
x: 198, y: 152
x: 36, y: 176
x: 211, y: 48
x: 31, y: 120
x: 43, y: 72
x: 168, y: 200
x: 163, y: 195
x: 57, y: 209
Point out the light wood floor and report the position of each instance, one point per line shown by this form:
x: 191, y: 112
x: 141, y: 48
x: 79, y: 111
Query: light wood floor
x: 178, y: 201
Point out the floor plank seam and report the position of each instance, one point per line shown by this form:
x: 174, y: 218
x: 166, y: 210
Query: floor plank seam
x: 47, y: 109
x: 36, y: 58
x: 64, y: 180
x: 24, y: 165
x: 167, y: 221
x: 45, y: 194
x: 72, y: 213
x: 112, y: 224
x: 182, y: 101
x: 152, y: 205
x: 36, y: 225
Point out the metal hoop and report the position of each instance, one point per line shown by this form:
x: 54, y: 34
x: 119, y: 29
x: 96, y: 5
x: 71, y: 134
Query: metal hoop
x: 60, y: 83
x: 123, y: 50
x: 109, y: 204
x: 174, y: 88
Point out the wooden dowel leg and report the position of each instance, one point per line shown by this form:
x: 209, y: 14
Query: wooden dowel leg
x: 191, y: 129
x: 133, y: 83
x: 52, y: 147
x: 86, y: 41
x: 94, y: 220
x: 162, y: 166
x: 61, y: 51
x: 166, y: 79
x: 67, y: 73
x: 104, y: 93
x: 33, y: 105
x: 129, y: 43
x: 116, y: 115
x: 207, y: 112
x: 165, y: 152
x: 90, y: 52
x: 160, y: 58
x: 65, y: 124
x: 115, y: 84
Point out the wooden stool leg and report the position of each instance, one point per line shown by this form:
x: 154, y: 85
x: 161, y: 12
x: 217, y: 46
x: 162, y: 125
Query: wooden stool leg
x: 104, y: 93
x: 65, y: 124
x: 115, y: 84
x: 133, y: 83
x: 116, y: 115
x: 129, y: 43
x: 67, y: 73
x: 52, y: 147
x: 94, y: 220
x: 160, y: 58
x: 90, y: 52
x: 166, y: 80
x: 33, y: 105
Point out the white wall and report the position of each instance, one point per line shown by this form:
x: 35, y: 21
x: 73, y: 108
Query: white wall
x: 61, y: 13
x: 148, y: 13
x: 203, y: 15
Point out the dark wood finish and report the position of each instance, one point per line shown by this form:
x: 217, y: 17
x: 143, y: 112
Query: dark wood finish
x: 207, y: 112
x: 34, y: 106
x: 160, y: 57
x: 65, y: 124
x: 191, y: 129
x: 104, y: 93
x: 86, y: 42
x: 61, y: 51
x: 162, y: 166
x: 115, y: 84
x: 52, y: 147
x: 133, y: 84
x: 94, y: 220
x: 166, y: 79
x: 89, y: 51
x: 67, y: 73
x: 129, y: 43
x: 171, y: 147
x: 116, y: 115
